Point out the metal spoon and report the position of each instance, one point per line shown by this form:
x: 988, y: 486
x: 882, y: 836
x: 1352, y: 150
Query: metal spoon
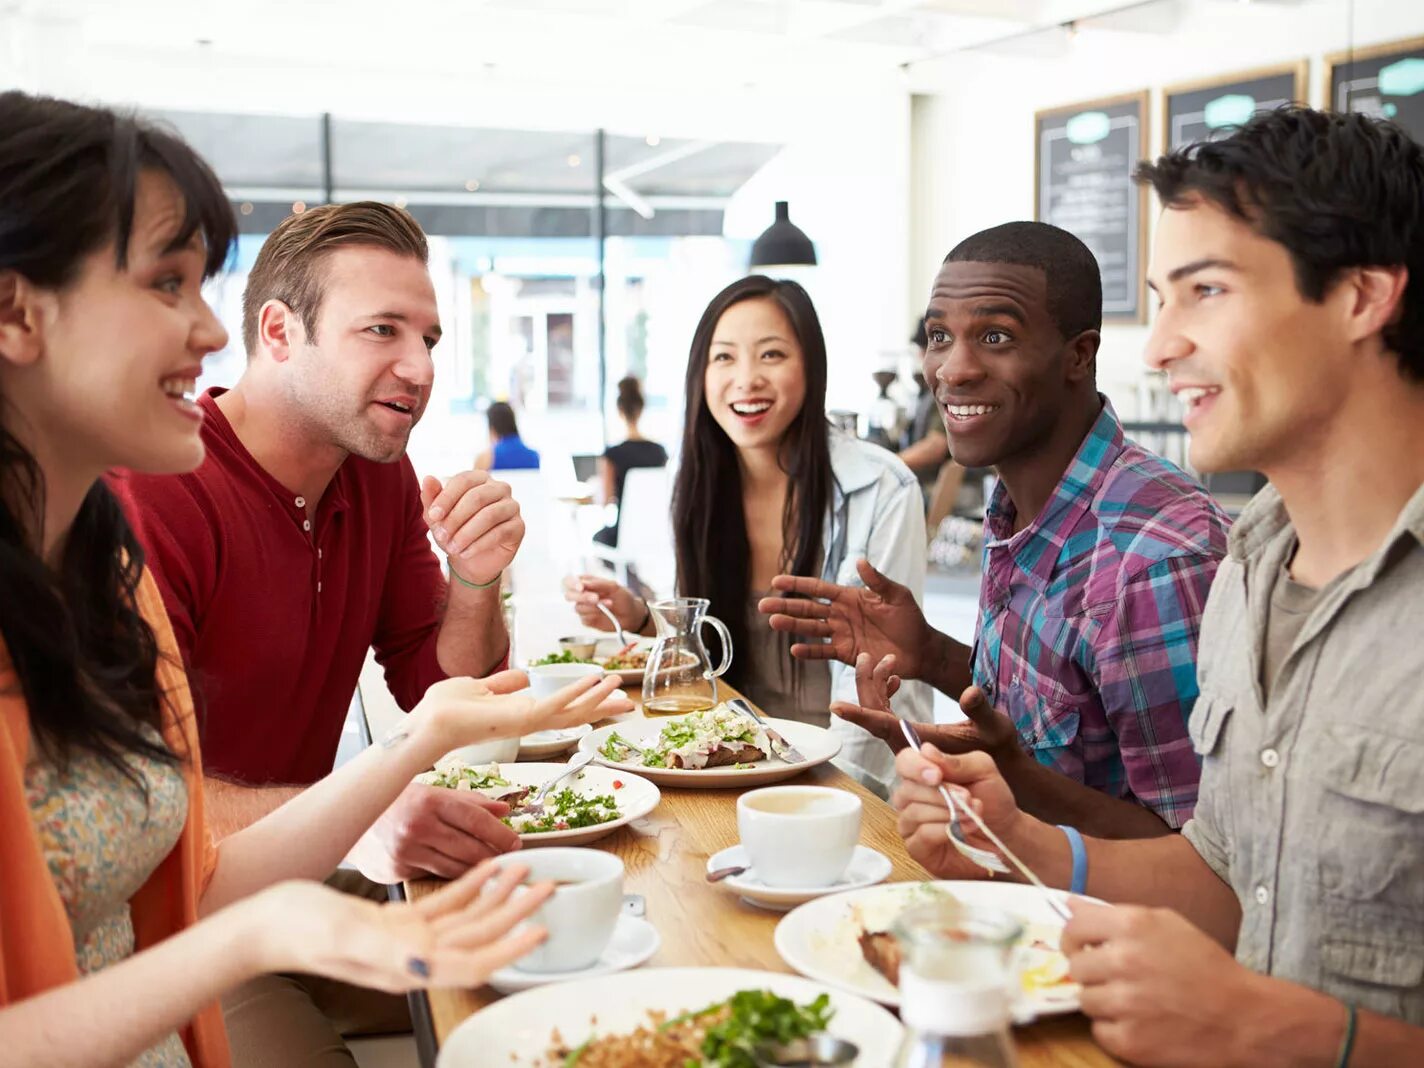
x: 726, y: 873
x: 982, y: 857
x: 812, y: 1051
x: 622, y: 638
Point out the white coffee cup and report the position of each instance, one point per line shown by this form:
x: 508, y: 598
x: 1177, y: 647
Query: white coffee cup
x: 545, y: 680
x: 582, y: 912
x: 798, y: 836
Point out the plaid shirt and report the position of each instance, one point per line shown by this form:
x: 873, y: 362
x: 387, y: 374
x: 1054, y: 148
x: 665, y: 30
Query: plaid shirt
x: 1088, y: 620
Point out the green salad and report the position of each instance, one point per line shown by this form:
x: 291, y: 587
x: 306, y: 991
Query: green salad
x: 562, y: 811
x: 716, y: 738
x: 722, y: 1035
x: 758, y: 1017
x: 564, y: 657
x: 465, y: 777
x: 565, y: 811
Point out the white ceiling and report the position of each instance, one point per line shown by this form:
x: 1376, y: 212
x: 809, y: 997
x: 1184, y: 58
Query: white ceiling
x: 663, y: 42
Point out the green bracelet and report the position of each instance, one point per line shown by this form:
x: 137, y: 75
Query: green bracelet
x: 1347, y: 1044
x: 475, y: 585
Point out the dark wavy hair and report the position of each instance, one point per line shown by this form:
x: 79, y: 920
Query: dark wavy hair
x: 1337, y: 191
x: 84, y: 656
x: 709, y: 526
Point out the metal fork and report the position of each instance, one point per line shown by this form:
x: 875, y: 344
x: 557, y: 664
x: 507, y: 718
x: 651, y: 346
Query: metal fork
x: 779, y: 745
x: 983, y: 857
x: 535, y: 805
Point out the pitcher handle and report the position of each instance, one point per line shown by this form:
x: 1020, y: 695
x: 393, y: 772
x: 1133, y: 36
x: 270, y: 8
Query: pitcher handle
x: 722, y: 632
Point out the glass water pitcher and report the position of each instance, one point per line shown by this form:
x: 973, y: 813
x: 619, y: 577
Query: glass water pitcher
x: 679, y: 677
x: 956, y: 974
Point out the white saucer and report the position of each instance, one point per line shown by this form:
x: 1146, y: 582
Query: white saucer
x: 544, y: 744
x: 867, y: 867
x: 634, y: 941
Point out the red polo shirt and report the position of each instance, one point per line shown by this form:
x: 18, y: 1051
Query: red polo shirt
x: 273, y: 612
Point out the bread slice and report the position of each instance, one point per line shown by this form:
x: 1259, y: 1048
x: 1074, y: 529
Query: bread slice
x: 725, y: 755
x: 882, y: 952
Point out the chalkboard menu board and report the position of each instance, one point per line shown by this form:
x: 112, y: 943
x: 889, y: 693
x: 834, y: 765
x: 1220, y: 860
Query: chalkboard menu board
x: 1084, y: 156
x: 1206, y: 110
x: 1386, y: 81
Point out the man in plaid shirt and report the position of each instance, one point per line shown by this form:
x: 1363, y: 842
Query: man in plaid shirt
x: 1098, y: 556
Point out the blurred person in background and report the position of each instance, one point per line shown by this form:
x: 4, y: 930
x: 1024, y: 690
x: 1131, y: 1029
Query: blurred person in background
x: 925, y: 447
x: 121, y: 922
x: 765, y: 486
x: 634, y: 451
x: 507, y: 451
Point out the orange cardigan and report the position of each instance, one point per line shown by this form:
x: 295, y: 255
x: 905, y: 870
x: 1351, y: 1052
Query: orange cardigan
x: 36, y: 941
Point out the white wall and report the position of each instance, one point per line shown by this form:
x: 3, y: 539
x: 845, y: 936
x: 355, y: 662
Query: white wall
x: 973, y: 117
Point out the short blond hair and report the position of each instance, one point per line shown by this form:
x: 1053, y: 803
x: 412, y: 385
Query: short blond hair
x: 289, y: 267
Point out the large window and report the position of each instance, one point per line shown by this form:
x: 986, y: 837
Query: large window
x: 514, y: 258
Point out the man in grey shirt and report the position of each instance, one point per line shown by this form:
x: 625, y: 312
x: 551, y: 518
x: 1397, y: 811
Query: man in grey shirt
x: 1289, y: 266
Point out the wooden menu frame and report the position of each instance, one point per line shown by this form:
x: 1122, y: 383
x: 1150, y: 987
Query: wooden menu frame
x: 1336, y: 59
x: 1141, y: 99
x: 1300, y: 69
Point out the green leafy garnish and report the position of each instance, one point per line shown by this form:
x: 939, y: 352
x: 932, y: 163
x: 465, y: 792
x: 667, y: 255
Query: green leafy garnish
x: 756, y: 1017
x: 564, y: 657
x: 615, y: 748
x: 565, y: 811
x: 479, y: 778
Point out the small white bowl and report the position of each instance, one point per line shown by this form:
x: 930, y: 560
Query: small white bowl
x: 494, y: 751
x: 547, y: 679
x: 581, y: 645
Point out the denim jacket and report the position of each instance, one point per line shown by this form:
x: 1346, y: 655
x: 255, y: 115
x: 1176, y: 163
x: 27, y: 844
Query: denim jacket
x: 877, y: 513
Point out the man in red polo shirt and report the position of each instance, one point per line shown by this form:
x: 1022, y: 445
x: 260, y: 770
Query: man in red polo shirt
x: 302, y: 541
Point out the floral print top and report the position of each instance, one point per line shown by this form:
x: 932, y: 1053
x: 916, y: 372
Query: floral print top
x: 102, y: 840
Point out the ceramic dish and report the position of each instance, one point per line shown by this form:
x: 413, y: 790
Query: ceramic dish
x: 518, y: 1031
x: 816, y: 744
x: 867, y: 867
x: 819, y: 940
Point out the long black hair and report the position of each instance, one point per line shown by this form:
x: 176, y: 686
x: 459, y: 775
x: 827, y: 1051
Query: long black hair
x: 84, y: 656
x: 709, y: 526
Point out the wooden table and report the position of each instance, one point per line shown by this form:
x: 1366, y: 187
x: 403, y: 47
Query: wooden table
x: 665, y: 856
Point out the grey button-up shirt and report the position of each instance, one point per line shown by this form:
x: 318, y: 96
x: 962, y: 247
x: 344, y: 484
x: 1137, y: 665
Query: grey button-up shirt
x: 1312, y: 801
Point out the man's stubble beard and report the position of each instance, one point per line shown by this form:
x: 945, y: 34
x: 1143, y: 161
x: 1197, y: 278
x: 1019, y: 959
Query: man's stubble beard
x: 360, y: 439
x: 349, y: 431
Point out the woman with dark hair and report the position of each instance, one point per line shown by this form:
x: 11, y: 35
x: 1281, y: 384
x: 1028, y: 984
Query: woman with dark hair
x: 507, y: 451
x: 634, y: 451
x: 766, y: 487
x: 120, y: 921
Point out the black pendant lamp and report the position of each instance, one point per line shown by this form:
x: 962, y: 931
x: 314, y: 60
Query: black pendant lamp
x: 783, y: 244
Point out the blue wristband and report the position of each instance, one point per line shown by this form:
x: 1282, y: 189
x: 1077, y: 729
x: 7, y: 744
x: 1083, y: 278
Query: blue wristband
x: 1080, y: 858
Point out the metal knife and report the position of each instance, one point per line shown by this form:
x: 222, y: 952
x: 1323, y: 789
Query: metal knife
x: 779, y: 745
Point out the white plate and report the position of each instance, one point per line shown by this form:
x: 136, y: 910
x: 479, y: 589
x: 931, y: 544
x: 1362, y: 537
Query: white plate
x: 543, y: 744
x: 634, y: 941
x: 867, y: 867
x: 516, y: 1032
x: 818, y: 938
x: 636, y: 797
x: 605, y: 648
x: 608, y: 646
x: 816, y: 744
